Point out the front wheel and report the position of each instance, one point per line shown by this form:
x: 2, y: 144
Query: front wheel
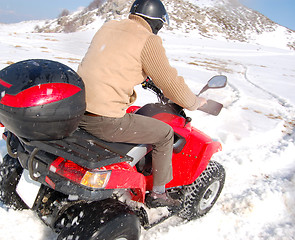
x: 200, y: 196
x: 105, y: 220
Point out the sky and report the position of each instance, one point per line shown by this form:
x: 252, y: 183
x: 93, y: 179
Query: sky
x: 280, y: 11
x: 11, y: 11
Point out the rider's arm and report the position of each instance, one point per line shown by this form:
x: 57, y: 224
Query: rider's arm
x: 156, y: 65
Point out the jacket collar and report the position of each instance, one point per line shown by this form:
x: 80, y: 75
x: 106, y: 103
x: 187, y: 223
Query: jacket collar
x: 141, y: 21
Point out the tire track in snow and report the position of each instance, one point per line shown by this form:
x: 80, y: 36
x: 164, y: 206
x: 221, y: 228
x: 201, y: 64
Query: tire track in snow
x: 268, y: 174
x: 276, y: 97
x: 237, y: 94
x: 288, y: 107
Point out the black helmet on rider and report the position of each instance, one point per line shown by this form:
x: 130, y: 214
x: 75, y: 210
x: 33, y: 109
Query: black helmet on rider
x: 153, y: 11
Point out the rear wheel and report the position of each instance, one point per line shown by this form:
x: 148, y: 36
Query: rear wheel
x: 203, y: 193
x: 10, y: 173
x: 105, y: 220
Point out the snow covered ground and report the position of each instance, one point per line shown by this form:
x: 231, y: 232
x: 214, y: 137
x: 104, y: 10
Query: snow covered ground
x: 256, y: 129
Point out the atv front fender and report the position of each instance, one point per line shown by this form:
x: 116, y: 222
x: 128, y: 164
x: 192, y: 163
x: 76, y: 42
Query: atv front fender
x: 193, y: 159
x: 208, y: 150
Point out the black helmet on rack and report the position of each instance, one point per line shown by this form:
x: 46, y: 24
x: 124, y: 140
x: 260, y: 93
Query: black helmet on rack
x: 153, y: 11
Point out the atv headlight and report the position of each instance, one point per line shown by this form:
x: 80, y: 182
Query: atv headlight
x: 96, y: 179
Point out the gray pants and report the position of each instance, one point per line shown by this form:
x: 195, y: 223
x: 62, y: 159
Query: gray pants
x: 137, y: 129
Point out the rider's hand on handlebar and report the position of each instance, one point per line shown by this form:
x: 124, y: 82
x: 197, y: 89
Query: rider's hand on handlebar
x: 202, y: 101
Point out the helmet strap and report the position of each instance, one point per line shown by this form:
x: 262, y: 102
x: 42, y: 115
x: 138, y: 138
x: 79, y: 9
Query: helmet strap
x: 155, y: 24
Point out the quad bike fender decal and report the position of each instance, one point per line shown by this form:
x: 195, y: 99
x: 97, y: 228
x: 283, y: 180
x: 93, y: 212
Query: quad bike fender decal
x: 40, y: 95
x: 5, y: 84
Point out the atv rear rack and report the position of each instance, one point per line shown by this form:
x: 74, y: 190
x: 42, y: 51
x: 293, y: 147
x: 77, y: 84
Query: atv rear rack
x: 83, y: 149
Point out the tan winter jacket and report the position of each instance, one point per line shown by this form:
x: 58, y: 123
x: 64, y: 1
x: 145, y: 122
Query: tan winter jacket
x: 120, y: 56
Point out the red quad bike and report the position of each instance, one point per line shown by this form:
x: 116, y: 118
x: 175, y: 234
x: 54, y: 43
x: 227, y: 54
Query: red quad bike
x: 86, y: 188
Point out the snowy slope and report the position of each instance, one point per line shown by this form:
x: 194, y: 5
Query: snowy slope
x: 256, y: 129
x: 224, y: 19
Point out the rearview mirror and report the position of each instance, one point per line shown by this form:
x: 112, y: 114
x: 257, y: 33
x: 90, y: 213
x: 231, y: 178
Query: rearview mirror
x: 218, y: 81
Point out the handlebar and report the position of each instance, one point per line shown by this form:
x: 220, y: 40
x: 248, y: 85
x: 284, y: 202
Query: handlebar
x: 149, y: 84
x: 212, y: 107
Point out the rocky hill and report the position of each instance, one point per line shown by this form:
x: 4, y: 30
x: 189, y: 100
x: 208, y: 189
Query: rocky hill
x: 228, y: 19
